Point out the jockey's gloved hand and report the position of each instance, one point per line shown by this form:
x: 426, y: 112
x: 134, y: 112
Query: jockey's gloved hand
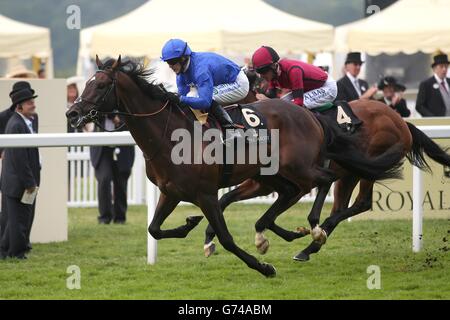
x: 174, y: 98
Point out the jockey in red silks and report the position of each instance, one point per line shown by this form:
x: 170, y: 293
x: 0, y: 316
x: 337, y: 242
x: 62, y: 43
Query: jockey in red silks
x: 310, y: 86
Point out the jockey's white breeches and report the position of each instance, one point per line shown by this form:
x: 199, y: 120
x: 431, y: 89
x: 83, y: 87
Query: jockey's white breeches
x: 229, y: 93
x: 318, y: 97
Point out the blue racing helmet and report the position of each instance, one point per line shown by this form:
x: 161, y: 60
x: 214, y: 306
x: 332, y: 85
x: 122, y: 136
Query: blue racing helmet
x: 175, y: 48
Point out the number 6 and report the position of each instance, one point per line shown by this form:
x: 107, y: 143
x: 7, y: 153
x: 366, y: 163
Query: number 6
x: 251, y: 118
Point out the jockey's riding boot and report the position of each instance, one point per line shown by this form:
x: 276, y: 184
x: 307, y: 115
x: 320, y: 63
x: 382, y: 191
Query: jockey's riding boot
x: 225, y: 121
x: 355, y: 121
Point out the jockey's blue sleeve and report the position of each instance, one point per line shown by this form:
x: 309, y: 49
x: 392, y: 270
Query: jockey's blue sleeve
x: 205, y: 87
x: 182, y: 88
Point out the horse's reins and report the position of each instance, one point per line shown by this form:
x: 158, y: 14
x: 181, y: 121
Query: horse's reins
x: 93, y: 113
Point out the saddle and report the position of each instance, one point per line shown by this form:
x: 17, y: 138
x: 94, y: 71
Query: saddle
x: 341, y: 112
x: 248, y: 118
x: 245, y: 116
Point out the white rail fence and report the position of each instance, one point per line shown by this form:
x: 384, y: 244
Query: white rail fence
x: 83, y: 185
x: 437, y: 132
x: 124, y: 138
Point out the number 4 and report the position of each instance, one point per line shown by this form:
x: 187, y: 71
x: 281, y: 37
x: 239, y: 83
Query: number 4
x: 342, y: 117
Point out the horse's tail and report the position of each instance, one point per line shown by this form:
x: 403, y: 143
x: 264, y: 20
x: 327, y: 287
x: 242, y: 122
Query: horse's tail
x: 343, y: 149
x: 422, y: 143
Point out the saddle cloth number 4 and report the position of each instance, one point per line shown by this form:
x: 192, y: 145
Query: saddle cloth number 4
x: 342, y: 117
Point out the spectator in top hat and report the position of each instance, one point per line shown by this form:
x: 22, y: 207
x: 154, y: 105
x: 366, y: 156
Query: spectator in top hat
x: 433, y: 99
x: 20, y: 175
x: 392, y: 95
x: 6, y: 114
x: 350, y: 87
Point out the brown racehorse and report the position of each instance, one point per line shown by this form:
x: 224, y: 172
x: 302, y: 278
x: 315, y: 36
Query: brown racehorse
x: 151, y: 114
x: 383, y: 129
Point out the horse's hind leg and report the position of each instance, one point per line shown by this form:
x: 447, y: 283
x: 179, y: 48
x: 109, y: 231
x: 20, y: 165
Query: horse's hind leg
x: 314, y: 215
x: 165, y: 207
x: 362, y: 203
x: 288, y: 195
x: 211, y: 209
x: 343, y: 190
x: 247, y: 190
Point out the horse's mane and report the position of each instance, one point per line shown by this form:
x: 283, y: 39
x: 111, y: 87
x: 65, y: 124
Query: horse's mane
x: 140, y: 76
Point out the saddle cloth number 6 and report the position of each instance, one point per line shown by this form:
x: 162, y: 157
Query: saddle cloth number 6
x: 251, y: 118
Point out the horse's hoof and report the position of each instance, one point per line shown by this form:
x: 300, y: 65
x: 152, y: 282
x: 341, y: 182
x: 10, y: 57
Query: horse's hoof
x: 269, y: 270
x: 319, y: 235
x: 194, y: 220
x: 209, y: 249
x: 303, y: 231
x: 261, y: 243
x: 263, y: 247
x: 303, y: 257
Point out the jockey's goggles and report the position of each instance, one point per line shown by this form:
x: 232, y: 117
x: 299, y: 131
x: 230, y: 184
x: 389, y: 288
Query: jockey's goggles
x: 173, y: 61
x: 264, y: 69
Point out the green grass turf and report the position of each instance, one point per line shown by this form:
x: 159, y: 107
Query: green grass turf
x: 112, y: 260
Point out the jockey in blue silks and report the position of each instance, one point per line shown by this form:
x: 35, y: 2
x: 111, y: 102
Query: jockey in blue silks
x: 206, y: 80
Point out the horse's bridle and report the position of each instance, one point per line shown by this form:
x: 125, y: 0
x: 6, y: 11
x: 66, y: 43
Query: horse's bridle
x: 93, y: 115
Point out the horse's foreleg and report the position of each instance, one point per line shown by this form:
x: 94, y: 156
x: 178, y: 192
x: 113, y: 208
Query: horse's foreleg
x: 211, y: 209
x: 247, y: 190
x: 166, y: 205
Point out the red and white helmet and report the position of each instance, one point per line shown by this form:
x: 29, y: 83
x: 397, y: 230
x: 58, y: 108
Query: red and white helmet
x: 263, y: 58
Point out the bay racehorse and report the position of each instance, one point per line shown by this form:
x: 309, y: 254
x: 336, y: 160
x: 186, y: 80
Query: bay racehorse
x: 383, y: 129
x: 151, y: 115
